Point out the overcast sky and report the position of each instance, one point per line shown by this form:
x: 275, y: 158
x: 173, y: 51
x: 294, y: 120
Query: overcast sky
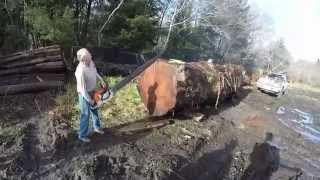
x: 298, y: 22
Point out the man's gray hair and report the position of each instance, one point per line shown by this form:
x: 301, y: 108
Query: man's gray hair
x: 82, y: 54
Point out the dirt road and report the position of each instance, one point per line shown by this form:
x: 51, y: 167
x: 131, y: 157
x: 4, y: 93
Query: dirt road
x: 292, y: 119
x: 219, y: 146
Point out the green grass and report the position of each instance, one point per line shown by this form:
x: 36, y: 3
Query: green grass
x: 67, y: 105
x: 126, y: 106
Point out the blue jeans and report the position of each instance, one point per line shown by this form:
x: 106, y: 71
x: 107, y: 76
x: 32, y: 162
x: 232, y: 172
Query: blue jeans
x: 85, y: 111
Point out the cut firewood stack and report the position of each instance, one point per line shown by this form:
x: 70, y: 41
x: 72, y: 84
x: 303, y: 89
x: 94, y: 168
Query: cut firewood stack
x: 176, y: 85
x: 32, y: 71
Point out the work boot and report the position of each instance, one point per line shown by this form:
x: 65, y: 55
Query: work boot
x: 99, y: 131
x: 85, y: 139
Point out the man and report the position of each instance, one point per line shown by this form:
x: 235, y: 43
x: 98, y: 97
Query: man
x: 86, y: 75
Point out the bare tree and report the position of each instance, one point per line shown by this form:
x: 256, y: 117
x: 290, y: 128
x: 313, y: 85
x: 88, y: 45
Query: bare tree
x: 108, y: 20
x: 86, y: 24
x: 177, y: 7
x: 7, y: 9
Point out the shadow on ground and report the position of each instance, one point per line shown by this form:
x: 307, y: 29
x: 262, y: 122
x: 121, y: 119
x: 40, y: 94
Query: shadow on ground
x: 213, y: 165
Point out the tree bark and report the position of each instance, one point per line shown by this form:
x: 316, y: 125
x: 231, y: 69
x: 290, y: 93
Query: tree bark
x: 77, y: 22
x: 28, y: 88
x: 83, y: 40
x: 175, y: 86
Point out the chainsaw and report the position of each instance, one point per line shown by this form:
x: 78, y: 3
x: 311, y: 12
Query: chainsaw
x: 101, y: 96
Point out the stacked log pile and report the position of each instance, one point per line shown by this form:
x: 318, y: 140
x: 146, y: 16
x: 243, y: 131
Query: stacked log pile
x: 172, y: 86
x: 32, y: 71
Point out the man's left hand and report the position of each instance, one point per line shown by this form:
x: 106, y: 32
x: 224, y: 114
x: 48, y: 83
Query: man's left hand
x: 103, y: 85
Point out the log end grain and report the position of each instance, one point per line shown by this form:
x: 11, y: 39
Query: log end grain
x: 157, y: 87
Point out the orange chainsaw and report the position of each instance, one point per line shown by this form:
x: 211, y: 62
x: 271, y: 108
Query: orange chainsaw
x: 101, y: 96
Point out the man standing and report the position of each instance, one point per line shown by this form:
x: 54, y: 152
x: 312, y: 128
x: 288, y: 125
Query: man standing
x: 86, y: 76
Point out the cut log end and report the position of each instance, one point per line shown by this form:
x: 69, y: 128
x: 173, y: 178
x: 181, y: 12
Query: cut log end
x: 157, y: 88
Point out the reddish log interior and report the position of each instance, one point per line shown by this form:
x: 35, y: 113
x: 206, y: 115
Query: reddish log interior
x: 157, y: 87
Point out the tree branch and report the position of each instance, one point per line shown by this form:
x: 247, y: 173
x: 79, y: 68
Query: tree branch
x: 86, y: 24
x: 6, y: 7
x: 107, y: 21
x: 170, y: 30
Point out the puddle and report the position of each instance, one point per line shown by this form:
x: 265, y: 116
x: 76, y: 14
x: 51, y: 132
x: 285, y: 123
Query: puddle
x: 300, y: 121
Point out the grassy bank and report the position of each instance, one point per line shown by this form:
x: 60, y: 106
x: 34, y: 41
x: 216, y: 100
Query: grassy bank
x: 126, y: 106
x: 305, y: 87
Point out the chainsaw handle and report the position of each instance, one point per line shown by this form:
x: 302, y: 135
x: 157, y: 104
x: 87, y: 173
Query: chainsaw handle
x: 103, y: 87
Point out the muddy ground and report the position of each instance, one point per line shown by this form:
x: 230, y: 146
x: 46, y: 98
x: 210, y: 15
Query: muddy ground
x: 225, y: 144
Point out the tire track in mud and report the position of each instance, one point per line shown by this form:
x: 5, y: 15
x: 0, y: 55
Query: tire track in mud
x: 21, y: 154
x: 38, y: 147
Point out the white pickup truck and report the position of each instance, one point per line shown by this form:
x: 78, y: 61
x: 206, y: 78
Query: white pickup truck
x: 273, y: 83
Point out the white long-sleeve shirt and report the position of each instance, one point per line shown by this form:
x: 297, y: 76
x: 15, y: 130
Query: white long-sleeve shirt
x: 86, y: 77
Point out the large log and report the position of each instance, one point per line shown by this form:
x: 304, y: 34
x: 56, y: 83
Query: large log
x: 28, y: 88
x: 30, y: 51
x: 47, y: 67
x: 166, y: 87
x: 34, y: 61
x: 30, y: 55
x: 30, y: 78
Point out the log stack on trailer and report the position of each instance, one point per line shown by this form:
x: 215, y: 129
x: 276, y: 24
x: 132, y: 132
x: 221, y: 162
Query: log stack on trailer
x: 32, y: 70
x: 172, y: 86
